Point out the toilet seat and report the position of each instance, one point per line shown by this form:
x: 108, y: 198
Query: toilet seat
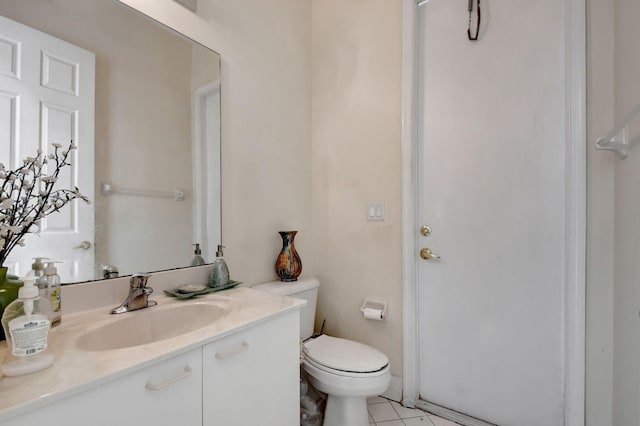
x: 344, y: 357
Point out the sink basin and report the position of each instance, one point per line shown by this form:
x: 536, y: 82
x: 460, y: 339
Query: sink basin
x: 151, y: 325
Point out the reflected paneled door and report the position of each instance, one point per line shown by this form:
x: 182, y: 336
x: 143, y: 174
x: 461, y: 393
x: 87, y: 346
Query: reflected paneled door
x: 47, y: 91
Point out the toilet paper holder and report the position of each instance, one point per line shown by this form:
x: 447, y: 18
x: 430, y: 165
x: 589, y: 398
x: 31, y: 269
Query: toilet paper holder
x: 374, y: 309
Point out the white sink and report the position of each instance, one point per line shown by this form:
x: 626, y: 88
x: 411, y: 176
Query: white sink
x: 151, y: 325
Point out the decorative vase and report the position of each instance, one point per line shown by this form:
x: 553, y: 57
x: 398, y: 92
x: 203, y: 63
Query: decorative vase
x: 288, y: 263
x: 9, y: 286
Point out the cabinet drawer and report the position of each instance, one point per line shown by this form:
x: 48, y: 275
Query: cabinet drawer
x: 167, y: 393
x: 252, y: 377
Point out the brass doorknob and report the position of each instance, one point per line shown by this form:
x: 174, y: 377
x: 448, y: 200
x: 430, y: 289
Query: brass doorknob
x: 425, y: 230
x: 427, y: 254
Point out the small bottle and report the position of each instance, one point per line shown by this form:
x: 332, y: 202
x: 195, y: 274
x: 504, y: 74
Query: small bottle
x: 38, y: 267
x: 38, y: 271
x: 27, y: 331
x: 197, y: 258
x: 220, y: 272
x: 51, y: 280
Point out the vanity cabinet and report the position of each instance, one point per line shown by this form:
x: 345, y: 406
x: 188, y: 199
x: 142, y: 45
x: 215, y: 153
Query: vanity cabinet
x: 166, y: 393
x: 252, y: 377
x: 249, y: 377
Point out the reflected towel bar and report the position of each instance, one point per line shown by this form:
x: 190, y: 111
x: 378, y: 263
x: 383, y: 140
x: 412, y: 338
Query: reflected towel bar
x: 107, y: 189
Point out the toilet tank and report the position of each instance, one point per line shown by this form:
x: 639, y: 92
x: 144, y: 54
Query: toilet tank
x: 306, y: 289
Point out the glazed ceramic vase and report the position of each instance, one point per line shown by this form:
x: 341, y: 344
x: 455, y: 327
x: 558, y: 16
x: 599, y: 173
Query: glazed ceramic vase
x: 288, y: 263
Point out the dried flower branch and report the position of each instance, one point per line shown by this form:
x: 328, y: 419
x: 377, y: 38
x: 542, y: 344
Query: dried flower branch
x: 27, y: 196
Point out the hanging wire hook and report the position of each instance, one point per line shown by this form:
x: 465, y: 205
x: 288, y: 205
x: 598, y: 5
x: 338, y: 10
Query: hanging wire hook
x: 473, y: 37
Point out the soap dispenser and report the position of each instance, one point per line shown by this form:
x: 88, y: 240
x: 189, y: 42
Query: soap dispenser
x: 38, y: 266
x: 27, y: 331
x: 197, y: 258
x: 220, y: 272
x: 51, y: 281
x: 38, y: 271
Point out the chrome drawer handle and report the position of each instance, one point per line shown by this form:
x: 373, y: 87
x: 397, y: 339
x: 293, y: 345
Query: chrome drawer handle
x: 187, y: 373
x: 226, y: 355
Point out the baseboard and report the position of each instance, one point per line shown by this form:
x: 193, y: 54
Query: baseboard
x: 394, y: 392
x: 454, y: 416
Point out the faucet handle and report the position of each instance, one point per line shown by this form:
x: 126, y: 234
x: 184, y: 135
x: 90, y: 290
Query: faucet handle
x: 139, y: 280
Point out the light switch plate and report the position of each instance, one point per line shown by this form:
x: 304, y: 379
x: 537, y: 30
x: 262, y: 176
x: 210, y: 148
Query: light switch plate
x: 375, y: 211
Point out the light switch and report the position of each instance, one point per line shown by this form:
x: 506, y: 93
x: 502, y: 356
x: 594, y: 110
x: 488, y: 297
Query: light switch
x: 375, y: 211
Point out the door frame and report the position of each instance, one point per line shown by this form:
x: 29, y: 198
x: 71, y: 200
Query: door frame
x: 207, y: 237
x: 575, y: 209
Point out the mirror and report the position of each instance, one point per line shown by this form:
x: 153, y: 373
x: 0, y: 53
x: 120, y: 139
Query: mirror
x: 142, y: 103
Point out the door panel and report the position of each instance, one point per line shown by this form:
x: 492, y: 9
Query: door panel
x: 493, y: 188
x: 47, y: 90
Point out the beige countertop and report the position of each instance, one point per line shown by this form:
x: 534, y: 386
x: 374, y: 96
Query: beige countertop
x: 76, y: 370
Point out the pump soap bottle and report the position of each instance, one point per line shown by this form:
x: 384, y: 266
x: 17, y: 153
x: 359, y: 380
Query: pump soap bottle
x: 51, y: 280
x: 27, y: 330
x: 197, y: 258
x: 220, y: 272
x: 38, y: 267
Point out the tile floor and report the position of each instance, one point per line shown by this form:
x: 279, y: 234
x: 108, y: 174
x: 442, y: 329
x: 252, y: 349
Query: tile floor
x: 383, y: 412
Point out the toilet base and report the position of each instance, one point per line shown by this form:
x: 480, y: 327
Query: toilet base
x: 346, y: 410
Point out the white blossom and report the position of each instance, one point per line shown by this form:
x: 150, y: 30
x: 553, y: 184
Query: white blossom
x: 22, y: 207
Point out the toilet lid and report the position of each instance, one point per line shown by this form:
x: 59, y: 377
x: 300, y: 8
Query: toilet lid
x: 345, y: 355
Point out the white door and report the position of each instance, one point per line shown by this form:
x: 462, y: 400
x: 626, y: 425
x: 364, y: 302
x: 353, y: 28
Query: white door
x: 492, y: 137
x: 47, y: 91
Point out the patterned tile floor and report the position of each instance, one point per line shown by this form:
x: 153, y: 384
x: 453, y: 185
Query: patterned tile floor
x: 383, y: 412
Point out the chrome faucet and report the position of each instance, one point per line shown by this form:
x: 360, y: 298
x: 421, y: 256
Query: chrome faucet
x: 138, y: 295
x: 109, y: 271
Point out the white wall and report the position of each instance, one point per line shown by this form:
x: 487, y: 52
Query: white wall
x: 613, y: 346
x: 266, y: 123
x: 626, y: 374
x: 599, y: 297
x: 357, y: 102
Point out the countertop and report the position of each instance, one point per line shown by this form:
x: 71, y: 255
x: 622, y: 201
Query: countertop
x: 76, y: 370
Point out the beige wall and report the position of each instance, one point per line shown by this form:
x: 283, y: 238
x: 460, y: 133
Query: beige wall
x: 356, y: 98
x: 266, y: 123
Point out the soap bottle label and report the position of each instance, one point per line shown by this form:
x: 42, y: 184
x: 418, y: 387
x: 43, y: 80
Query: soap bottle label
x: 29, y: 337
x: 55, y: 300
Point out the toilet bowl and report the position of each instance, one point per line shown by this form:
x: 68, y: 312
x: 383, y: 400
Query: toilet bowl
x: 348, y: 372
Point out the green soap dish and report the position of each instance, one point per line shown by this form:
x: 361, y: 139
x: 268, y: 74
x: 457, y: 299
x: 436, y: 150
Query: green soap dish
x: 184, y: 292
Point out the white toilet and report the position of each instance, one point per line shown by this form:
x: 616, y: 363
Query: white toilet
x: 348, y: 372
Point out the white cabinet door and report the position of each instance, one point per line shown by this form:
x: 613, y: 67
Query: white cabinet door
x: 252, y: 377
x: 167, y: 393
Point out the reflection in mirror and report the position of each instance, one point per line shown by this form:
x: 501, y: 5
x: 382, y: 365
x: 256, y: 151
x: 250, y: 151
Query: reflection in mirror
x: 142, y: 103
